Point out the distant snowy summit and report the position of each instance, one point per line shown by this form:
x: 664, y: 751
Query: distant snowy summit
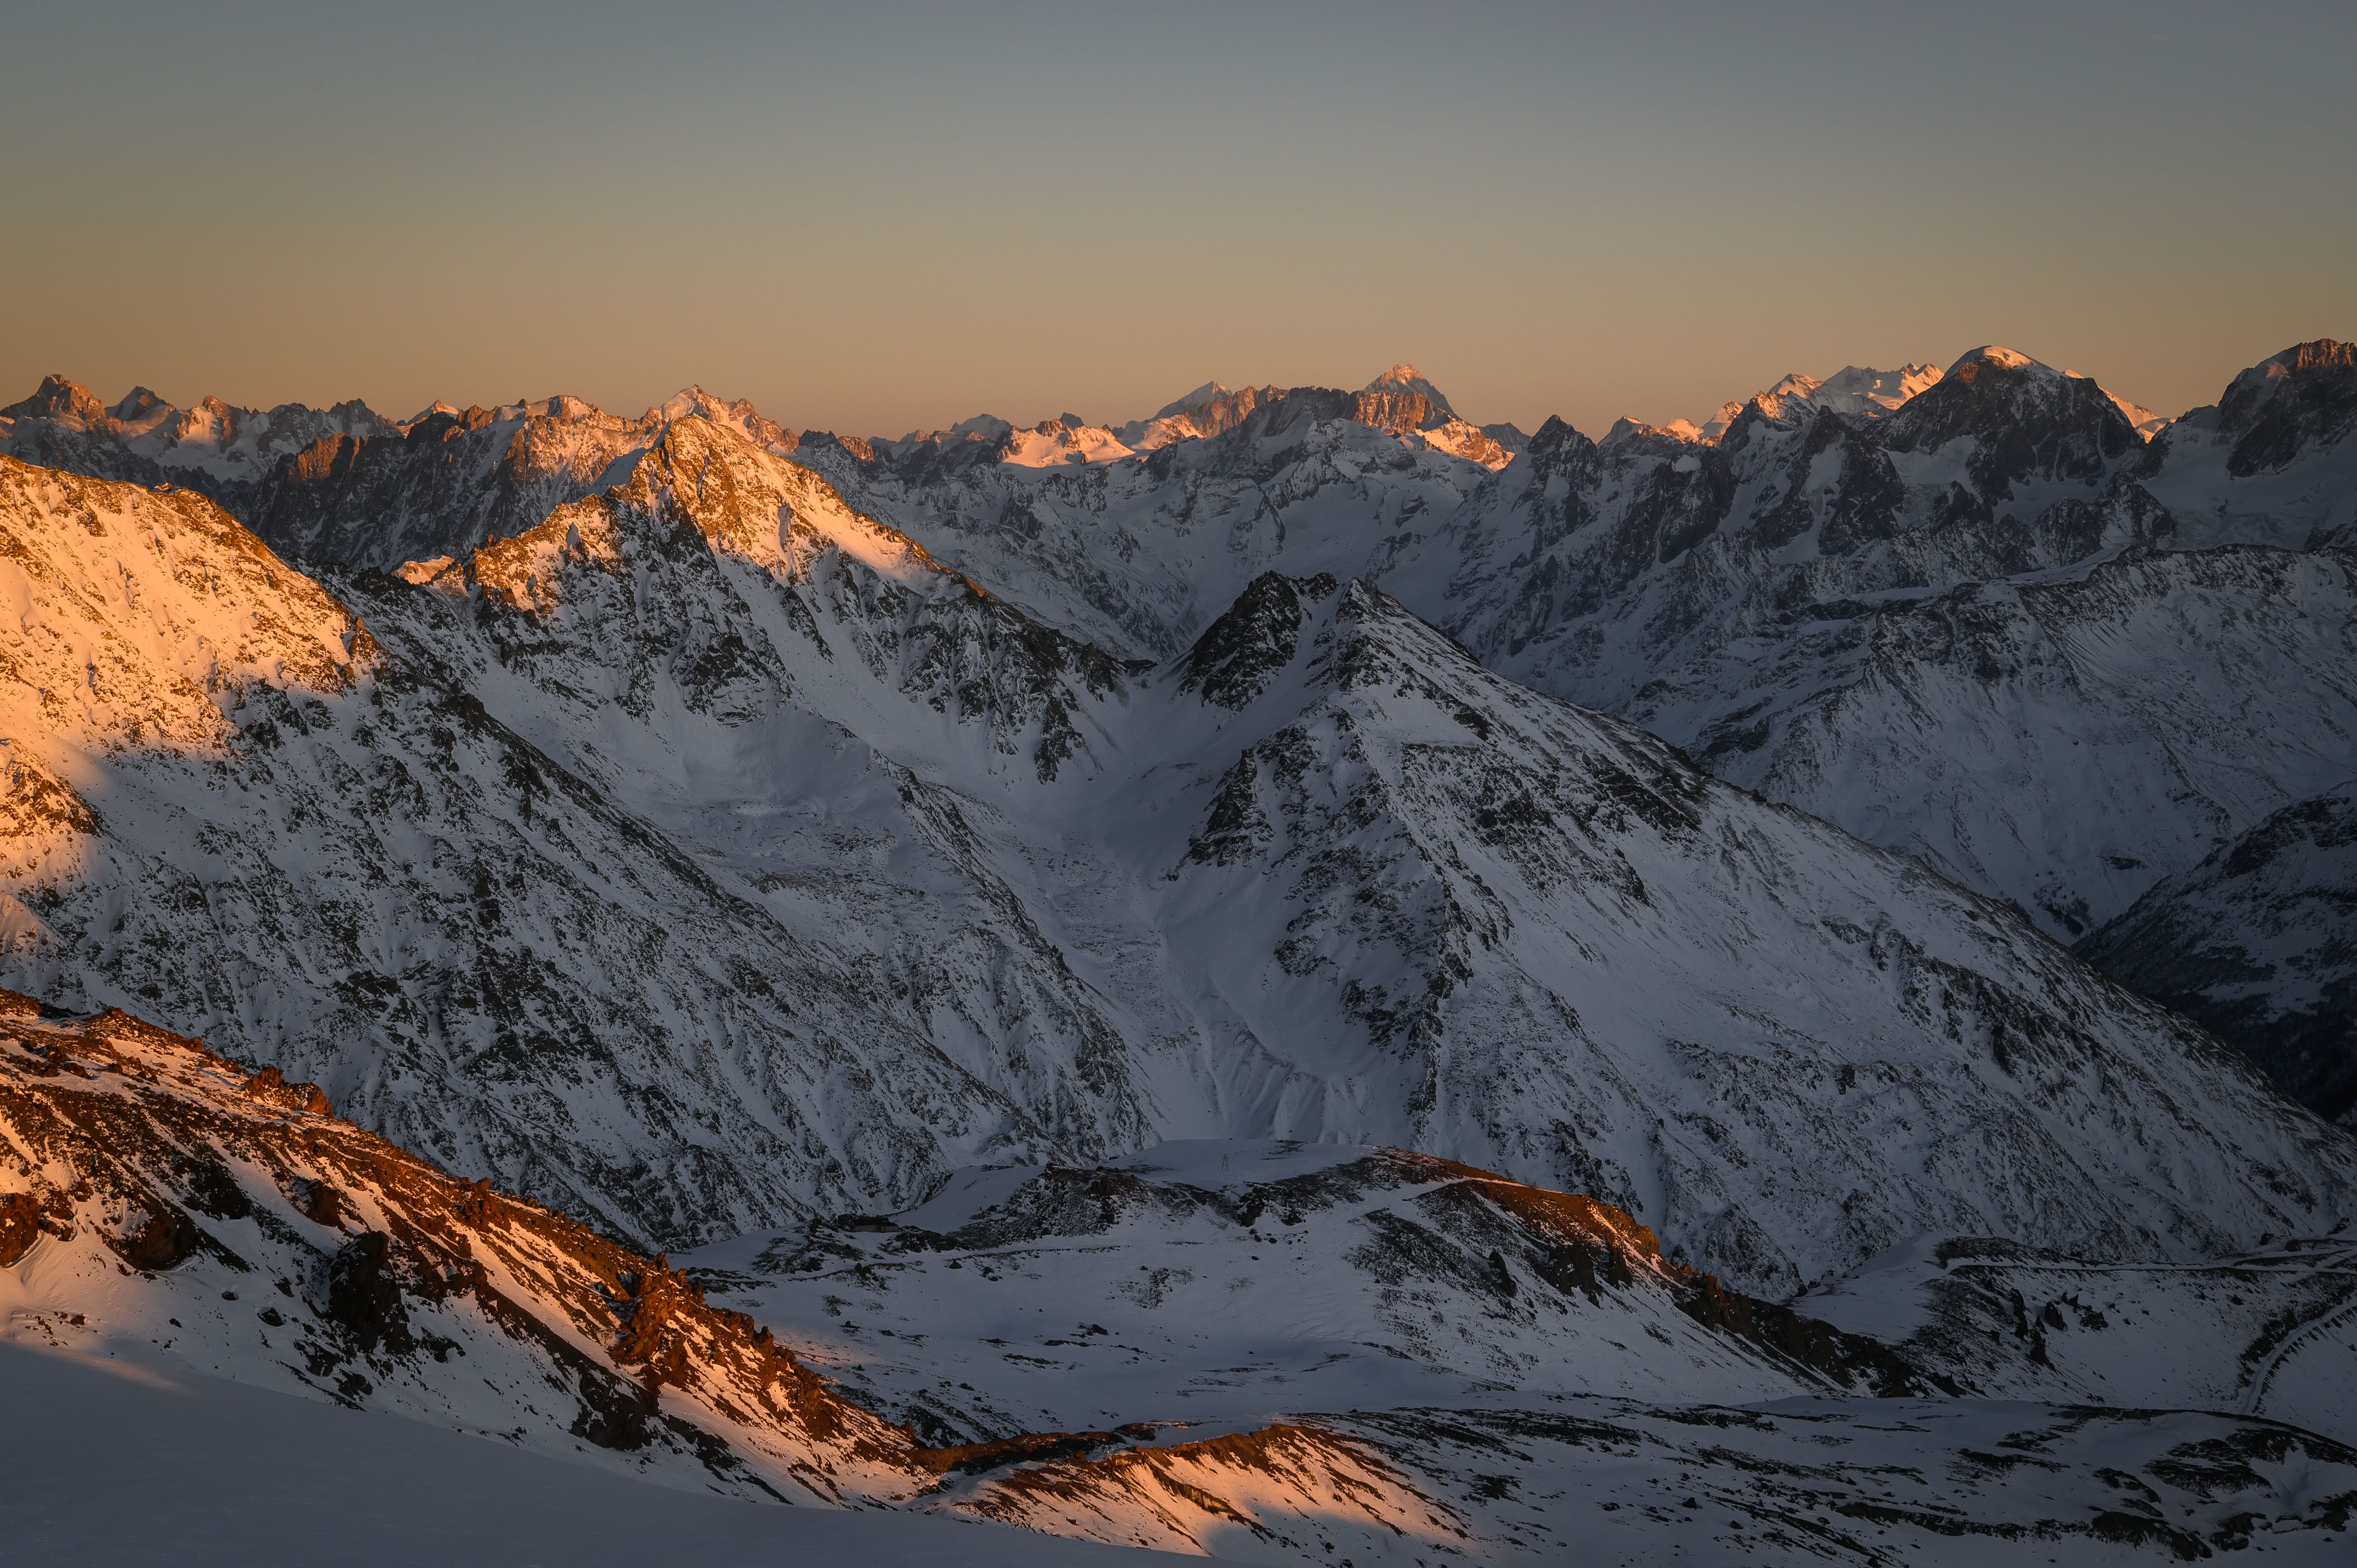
x: 238, y: 452
x: 1870, y: 394
x: 1853, y: 389
x: 1401, y: 401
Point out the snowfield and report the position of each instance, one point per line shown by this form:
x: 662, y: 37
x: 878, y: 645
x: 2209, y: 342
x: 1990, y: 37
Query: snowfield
x: 169, y: 1220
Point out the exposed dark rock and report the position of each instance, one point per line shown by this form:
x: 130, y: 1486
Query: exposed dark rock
x: 20, y: 1226
x: 364, y: 1293
x: 159, y: 1238
x: 271, y: 1089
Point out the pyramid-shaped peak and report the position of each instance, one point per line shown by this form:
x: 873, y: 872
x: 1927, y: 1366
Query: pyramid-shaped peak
x: 1208, y: 392
x: 688, y: 401
x: 1408, y: 379
x: 138, y: 401
x: 58, y: 398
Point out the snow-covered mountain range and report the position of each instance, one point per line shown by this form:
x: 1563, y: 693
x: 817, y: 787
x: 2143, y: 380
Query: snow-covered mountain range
x: 730, y: 837
x: 1989, y: 626
x: 1777, y: 600
x: 708, y: 855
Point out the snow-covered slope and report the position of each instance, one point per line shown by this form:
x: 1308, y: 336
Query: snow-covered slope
x: 2063, y: 738
x: 1775, y: 594
x: 1567, y: 936
x: 2267, y: 1332
x: 708, y: 855
x: 163, y: 1214
x: 120, y: 1461
x: 1485, y: 1338
x: 2259, y: 943
x: 484, y: 953
x: 1218, y: 1281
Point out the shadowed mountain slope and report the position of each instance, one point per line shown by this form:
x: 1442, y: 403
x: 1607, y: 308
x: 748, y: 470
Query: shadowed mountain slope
x: 707, y: 856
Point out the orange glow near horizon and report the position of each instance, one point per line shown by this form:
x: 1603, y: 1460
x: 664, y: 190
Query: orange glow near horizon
x: 896, y: 220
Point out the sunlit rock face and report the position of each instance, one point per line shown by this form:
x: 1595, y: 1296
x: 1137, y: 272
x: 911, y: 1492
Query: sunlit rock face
x: 175, y: 1198
x: 348, y: 486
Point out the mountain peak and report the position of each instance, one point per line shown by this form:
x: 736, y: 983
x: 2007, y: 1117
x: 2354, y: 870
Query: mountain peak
x: 1207, y: 393
x: 2321, y: 354
x: 58, y: 398
x: 2304, y: 397
x: 2301, y: 358
x: 689, y: 400
x: 1408, y: 379
x: 1858, y: 388
x: 1990, y: 356
x: 136, y: 402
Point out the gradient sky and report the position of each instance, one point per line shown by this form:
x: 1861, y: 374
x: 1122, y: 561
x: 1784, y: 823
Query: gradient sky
x: 900, y: 217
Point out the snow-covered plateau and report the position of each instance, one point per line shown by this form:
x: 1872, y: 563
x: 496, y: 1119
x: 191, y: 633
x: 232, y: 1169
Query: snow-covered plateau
x: 1298, y: 978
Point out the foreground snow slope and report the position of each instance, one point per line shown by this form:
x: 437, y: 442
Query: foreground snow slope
x: 116, y: 1462
x: 157, y: 1204
x: 231, y: 1474
x: 163, y: 1214
x: 707, y: 856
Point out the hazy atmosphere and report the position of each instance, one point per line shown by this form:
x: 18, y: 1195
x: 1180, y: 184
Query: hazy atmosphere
x: 900, y: 217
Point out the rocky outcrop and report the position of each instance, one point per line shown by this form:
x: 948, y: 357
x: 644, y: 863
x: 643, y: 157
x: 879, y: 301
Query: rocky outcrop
x: 2301, y: 401
x: 411, y: 1290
